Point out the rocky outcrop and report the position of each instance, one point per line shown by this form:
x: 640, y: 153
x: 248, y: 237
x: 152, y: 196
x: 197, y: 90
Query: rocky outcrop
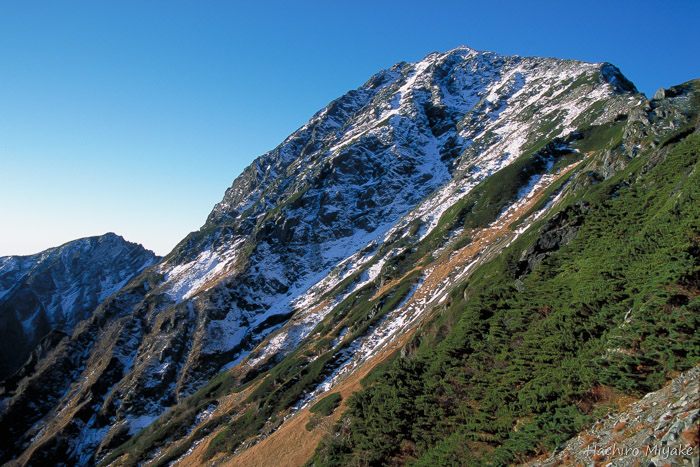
x: 659, y: 430
x: 559, y: 230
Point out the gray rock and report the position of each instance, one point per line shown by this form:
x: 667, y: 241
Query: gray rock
x: 660, y: 94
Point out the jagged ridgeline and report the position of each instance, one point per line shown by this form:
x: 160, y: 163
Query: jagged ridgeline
x: 440, y: 267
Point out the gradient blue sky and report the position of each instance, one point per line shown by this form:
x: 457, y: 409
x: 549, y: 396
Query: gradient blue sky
x: 135, y: 116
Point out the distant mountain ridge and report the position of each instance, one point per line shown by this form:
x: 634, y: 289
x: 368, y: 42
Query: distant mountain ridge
x: 56, y: 289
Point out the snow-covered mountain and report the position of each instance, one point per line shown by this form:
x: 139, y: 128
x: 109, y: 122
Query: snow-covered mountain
x: 56, y: 289
x: 331, y: 213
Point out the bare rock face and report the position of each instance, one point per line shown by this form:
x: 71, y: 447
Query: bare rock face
x: 661, y: 429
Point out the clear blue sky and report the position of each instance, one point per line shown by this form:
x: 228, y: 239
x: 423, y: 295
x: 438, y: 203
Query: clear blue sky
x: 135, y: 116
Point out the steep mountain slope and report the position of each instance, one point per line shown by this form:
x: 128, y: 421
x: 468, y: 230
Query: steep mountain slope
x: 317, y: 242
x: 566, y: 276
x: 56, y: 289
x: 507, y: 370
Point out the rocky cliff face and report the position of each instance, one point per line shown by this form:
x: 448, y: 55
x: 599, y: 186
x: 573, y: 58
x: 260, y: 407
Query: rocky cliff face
x: 342, y: 206
x: 58, y: 288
